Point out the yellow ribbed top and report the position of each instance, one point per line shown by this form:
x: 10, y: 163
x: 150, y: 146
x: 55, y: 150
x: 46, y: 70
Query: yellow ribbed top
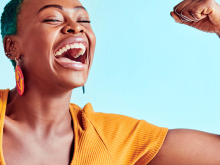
x: 105, y: 139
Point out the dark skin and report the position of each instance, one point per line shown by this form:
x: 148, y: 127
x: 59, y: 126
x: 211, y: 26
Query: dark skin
x: 189, y: 147
x: 38, y: 127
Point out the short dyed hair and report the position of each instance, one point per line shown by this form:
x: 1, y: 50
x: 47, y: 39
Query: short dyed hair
x: 9, y: 19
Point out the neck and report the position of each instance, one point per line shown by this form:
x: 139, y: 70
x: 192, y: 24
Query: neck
x: 40, y: 111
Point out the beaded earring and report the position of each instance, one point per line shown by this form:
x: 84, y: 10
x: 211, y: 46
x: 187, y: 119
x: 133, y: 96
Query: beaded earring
x: 19, y: 79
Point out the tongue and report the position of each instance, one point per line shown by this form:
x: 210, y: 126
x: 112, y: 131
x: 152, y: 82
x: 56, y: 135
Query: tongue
x: 72, y: 52
x: 65, y: 59
x: 69, y: 55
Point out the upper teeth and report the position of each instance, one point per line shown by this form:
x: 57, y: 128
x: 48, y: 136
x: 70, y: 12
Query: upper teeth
x: 72, y: 46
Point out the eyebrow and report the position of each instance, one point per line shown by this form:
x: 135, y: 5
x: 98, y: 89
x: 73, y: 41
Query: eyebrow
x: 61, y: 7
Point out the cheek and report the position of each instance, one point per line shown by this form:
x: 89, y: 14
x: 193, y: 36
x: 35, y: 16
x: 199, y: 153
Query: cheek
x: 38, y: 49
x: 92, y: 38
x: 39, y: 43
x: 39, y: 38
x: 43, y: 40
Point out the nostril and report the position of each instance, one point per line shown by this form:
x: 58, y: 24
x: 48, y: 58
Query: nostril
x: 81, y: 31
x: 71, y: 31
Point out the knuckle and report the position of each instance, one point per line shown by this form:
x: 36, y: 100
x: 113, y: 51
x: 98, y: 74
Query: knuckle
x: 178, y: 11
x: 208, y: 1
x: 184, y: 12
x: 192, y: 10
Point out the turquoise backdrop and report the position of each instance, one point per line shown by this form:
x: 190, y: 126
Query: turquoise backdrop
x: 147, y: 66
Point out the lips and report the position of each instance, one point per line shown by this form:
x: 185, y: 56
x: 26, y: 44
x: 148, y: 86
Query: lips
x: 72, y: 53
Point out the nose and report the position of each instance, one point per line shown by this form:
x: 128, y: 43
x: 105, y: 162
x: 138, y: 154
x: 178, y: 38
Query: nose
x: 74, y: 28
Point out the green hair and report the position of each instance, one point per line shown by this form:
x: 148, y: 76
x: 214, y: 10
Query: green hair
x: 9, y: 19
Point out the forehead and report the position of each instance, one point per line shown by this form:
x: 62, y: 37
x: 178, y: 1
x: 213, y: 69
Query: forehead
x: 33, y: 6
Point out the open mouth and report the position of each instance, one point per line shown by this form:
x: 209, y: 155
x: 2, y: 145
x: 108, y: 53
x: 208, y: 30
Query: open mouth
x: 72, y: 53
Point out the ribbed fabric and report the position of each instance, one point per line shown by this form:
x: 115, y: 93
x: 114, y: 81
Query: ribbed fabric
x: 3, y: 103
x: 106, y: 139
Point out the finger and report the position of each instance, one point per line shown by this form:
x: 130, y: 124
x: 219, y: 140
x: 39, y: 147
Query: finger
x: 178, y: 9
x: 178, y: 20
x: 186, y: 11
x: 200, y: 10
x: 175, y: 17
x: 177, y: 5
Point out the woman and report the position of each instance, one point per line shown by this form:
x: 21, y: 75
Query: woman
x: 52, y: 44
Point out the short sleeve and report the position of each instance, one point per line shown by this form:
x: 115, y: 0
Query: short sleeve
x: 128, y: 140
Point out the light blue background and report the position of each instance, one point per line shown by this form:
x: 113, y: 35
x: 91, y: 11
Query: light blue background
x: 147, y: 66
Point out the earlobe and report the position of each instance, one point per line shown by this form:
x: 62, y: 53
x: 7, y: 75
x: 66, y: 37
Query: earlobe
x: 11, y: 47
x: 8, y: 55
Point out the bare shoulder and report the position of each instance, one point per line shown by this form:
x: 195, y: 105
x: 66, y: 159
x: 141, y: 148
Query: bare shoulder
x: 189, y: 147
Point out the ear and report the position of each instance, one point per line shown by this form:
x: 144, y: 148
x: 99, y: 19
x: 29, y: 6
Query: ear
x: 11, y: 47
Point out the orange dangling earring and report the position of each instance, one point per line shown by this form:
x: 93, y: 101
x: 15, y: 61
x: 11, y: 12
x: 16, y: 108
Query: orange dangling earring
x: 19, y: 79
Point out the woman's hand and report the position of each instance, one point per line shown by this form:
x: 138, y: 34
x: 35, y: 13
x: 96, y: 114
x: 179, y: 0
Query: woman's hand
x: 200, y: 14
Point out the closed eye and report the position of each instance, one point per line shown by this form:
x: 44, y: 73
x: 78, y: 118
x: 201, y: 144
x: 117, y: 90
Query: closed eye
x: 84, y: 21
x: 51, y: 20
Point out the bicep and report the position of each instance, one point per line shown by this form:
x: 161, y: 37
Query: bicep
x: 188, y: 147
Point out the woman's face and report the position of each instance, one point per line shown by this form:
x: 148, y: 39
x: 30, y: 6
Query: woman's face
x: 56, y: 43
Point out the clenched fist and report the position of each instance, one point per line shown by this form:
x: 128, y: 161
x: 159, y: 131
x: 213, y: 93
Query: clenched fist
x: 200, y: 14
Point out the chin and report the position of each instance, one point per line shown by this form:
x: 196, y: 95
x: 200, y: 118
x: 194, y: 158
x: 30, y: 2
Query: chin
x: 74, y: 81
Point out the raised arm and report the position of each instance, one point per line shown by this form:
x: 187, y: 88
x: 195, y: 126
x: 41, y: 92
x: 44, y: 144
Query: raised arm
x: 189, y: 147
